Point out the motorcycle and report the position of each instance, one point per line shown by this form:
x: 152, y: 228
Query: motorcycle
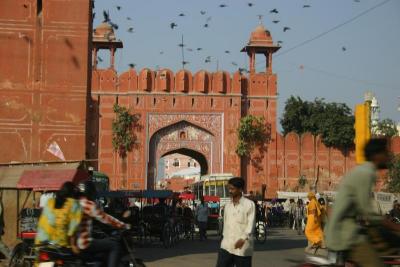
x: 339, y: 259
x: 50, y: 255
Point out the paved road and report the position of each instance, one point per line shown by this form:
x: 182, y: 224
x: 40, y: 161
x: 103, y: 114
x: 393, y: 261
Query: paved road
x: 284, y: 248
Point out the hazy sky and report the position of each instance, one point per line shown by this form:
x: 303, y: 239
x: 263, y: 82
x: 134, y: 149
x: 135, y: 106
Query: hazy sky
x: 320, y: 68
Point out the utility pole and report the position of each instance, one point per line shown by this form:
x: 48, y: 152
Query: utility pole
x: 183, y: 53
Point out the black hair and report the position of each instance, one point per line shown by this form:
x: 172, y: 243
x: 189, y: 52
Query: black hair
x: 90, y: 191
x: 375, y: 146
x: 321, y: 201
x: 237, y: 182
x: 67, y: 190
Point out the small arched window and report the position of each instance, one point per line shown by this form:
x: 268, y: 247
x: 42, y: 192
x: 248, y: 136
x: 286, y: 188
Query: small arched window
x: 182, y: 135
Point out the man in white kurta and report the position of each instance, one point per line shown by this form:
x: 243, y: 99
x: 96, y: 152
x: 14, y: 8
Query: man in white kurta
x: 239, y: 220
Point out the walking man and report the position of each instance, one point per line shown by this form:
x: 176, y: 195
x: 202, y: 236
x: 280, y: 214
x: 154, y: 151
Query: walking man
x: 239, y: 219
x: 292, y: 208
x: 202, y: 218
x: 299, y: 215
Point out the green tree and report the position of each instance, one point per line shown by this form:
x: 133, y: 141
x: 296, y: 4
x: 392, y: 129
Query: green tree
x: 393, y: 182
x: 333, y: 121
x: 252, y: 132
x: 387, y: 128
x: 123, y: 138
x: 336, y: 125
x: 296, y: 114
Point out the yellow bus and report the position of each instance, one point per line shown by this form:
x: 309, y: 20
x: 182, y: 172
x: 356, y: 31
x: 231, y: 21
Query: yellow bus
x: 213, y: 185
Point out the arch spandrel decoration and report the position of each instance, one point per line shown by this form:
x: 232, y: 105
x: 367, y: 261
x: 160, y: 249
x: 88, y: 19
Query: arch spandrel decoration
x: 196, y: 139
x: 211, y: 122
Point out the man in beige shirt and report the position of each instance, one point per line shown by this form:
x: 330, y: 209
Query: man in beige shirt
x: 239, y: 220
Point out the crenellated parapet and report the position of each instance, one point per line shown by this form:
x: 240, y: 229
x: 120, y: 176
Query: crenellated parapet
x: 166, y: 81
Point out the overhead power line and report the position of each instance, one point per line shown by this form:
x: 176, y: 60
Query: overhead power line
x: 330, y: 30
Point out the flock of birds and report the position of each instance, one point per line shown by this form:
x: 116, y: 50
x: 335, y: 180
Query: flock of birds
x: 173, y: 25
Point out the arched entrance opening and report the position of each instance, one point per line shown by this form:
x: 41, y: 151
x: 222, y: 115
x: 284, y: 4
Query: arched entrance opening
x: 178, y: 169
x: 196, y: 144
x: 194, y: 159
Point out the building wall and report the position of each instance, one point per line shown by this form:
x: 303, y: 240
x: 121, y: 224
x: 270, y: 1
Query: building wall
x: 279, y: 167
x: 200, y: 97
x: 307, y: 156
x: 44, y: 51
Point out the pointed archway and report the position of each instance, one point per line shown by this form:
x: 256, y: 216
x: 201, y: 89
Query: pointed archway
x: 187, y: 139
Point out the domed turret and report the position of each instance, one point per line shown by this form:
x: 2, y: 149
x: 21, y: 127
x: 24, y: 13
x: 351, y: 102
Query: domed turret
x: 260, y: 43
x: 104, y: 32
x: 260, y: 36
x: 104, y: 38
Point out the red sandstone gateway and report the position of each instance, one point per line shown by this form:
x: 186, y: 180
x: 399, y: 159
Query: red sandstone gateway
x: 61, y: 96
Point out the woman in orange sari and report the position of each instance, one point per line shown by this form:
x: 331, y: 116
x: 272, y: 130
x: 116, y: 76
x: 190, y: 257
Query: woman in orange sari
x: 313, y: 231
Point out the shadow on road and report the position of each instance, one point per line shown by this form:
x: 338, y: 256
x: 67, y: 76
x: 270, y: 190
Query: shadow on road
x: 278, y: 239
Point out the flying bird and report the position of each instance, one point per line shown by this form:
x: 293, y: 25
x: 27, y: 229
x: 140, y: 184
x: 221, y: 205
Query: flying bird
x: 118, y: 7
x: 306, y: 6
x: 250, y: 4
x: 161, y: 52
x: 181, y: 15
x: 106, y: 16
x: 173, y: 25
x: 128, y: 18
x: 130, y: 30
x: 202, y: 12
x: 227, y: 51
x: 185, y: 62
x: 344, y: 48
x: 132, y: 65
x: 275, y: 21
x: 199, y: 49
x: 241, y: 70
x: 181, y: 45
x: 99, y: 59
x: 205, y: 25
x: 274, y: 11
x: 286, y: 29
x: 234, y: 63
x: 115, y: 26
x: 208, y: 59
x: 222, y: 5
x: 280, y: 42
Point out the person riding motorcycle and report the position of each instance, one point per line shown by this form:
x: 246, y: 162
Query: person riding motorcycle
x: 60, y: 219
x: 345, y: 232
x: 88, y: 245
